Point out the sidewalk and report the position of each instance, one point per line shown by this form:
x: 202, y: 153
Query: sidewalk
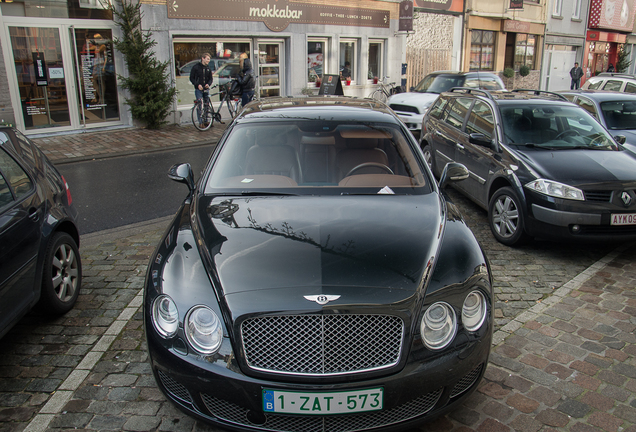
x: 95, y: 144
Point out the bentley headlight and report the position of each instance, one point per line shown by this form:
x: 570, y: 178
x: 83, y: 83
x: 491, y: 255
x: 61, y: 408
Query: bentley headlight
x: 203, y: 330
x: 438, y: 326
x: 556, y: 189
x: 165, y: 316
x: 474, y: 311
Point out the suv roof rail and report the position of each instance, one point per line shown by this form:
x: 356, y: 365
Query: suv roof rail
x: 542, y: 92
x: 617, y: 74
x: 472, y: 90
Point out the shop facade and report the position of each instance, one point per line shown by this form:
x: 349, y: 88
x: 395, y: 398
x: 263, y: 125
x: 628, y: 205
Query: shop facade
x: 61, y: 66
x: 609, y: 24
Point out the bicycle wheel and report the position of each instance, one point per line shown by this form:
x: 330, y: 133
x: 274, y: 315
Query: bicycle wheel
x: 379, y: 95
x: 206, y: 116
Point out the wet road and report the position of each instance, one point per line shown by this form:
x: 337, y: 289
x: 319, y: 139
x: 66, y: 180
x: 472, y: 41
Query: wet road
x: 114, y: 192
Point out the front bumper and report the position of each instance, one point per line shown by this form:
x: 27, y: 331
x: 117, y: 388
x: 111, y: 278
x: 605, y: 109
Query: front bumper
x: 219, y: 393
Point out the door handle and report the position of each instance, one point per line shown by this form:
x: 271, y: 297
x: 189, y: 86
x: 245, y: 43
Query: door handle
x: 459, y: 146
x: 34, y: 214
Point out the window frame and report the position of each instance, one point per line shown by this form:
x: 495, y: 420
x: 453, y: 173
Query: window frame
x: 517, y: 65
x: 355, y: 61
x: 481, y: 46
x: 325, y: 57
x: 557, y: 9
x: 576, y: 10
x: 381, y: 73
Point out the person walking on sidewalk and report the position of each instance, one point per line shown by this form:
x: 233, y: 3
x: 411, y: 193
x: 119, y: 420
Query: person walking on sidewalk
x: 201, y: 78
x: 247, y: 81
x: 576, y: 73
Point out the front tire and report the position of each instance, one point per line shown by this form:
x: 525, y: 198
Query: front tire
x: 506, y: 218
x: 62, y: 276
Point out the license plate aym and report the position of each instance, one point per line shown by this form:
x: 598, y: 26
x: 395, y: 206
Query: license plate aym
x: 623, y: 219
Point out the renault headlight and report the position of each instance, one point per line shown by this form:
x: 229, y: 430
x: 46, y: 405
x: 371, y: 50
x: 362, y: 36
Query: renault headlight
x: 203, y: 330
x: 556, y: 189
x: 438, y: 326
x: 165, y: 316
x: 474, y: 311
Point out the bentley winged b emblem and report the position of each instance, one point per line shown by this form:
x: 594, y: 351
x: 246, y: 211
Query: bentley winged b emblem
x: 322, y: 299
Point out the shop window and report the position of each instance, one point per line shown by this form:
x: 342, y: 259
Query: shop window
x: 83, y: 9
x: 376, y: 50
x: 317, y: 55
x: 525, y: 50
x: 348, y: 65
x: 482, y: 45
x: 224, y: 63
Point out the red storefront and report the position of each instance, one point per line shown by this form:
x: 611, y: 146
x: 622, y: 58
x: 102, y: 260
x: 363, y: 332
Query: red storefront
x: 609, y: 23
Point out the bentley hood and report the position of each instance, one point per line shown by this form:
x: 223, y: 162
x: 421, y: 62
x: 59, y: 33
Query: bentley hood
x: 313, y: 244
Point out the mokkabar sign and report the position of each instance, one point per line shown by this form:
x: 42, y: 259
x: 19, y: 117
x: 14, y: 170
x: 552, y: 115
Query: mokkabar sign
x: 277, y: 14
x: 441, y: 5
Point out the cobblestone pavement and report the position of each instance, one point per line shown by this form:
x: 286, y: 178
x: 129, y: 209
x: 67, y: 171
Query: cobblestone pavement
x: 563, y: 357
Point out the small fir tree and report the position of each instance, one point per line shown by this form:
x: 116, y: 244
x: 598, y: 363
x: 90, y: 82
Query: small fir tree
x: 151, y: 88
x: 623, y: 59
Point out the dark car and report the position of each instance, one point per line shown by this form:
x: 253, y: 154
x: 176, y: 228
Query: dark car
x: 412, y: 106
x: 616, y: 111
x: 316, y: 278
x: 541, y: 165
x: 39, y: 257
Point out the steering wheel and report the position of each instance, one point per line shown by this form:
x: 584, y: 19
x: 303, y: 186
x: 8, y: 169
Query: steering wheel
x: 369, y: 165
x: 567, y: 132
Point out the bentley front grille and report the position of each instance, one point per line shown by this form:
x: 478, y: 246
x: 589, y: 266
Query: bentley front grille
x: 322, y: 344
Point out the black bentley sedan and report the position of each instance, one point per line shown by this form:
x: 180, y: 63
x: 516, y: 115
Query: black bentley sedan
x: 316, y: 277
x: 39, y: 258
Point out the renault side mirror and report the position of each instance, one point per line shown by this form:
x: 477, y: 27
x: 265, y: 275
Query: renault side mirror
x: 453, y: 172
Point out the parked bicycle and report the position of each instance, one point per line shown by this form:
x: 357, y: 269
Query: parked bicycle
x: 383, y: 91
x: 229, y: 94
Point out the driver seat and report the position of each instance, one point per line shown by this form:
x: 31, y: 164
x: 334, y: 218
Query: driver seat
x: 358, y: 151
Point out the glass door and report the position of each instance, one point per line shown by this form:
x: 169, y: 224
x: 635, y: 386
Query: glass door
x: 269, y: 68
x: 97, y: 84
x: 39, y: 68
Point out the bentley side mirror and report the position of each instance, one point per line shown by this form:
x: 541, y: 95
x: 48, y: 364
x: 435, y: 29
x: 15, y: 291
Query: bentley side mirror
x: 453, y: 172
x: 620, y: 139
x: 182, y: 173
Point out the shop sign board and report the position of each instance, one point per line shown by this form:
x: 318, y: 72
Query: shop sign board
x: 278, y: 14
x: 330, y: 86
x: 406, y: 15
x: 39, y: 64
x: 441, y: 5
x: 516, y: 4
x: 617, y: 15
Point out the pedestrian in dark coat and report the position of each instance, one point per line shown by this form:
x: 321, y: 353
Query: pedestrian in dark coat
x: 247, y: 81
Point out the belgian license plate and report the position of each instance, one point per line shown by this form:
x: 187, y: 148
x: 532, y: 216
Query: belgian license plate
x: 321, y: 403
x: 623, y: 219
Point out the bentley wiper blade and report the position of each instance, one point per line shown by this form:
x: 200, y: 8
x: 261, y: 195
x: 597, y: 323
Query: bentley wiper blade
x: 254, y: 193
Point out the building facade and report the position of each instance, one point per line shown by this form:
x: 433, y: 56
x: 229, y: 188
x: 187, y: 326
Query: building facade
x: 61, y: 66
x: 566, y: 28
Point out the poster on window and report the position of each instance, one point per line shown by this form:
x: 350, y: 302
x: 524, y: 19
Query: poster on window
x: 39, y: 64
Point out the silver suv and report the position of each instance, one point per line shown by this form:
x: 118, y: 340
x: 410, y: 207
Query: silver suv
x: 609, y: 81
x: 412, y: 106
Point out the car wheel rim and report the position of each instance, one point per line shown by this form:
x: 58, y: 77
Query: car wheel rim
x: 506, y: 216
x: 65, y: 272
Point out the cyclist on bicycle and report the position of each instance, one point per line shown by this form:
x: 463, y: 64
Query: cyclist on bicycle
x: 247, y: 81
x: 201, y: 79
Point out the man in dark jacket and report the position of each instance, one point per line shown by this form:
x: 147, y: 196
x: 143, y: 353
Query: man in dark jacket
x: 201, y: 79
x: 576, y: 73
x: 247, y: 81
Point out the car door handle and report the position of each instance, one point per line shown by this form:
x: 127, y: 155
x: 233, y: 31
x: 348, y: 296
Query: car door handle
x: 459, y: 146
x: 34, y: 214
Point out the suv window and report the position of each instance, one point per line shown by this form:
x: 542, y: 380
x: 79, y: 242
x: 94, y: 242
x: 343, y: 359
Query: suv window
x: 439, y: 83
x: 630, y: 88
x: 438, y: 108
x: 5, y: 192
x: 613, y: 85
x: 481, y: 120
x: 457, y: 112
x: 594, y: 84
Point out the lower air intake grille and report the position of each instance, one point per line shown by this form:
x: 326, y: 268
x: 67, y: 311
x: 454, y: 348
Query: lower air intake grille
x: 177, y: 390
